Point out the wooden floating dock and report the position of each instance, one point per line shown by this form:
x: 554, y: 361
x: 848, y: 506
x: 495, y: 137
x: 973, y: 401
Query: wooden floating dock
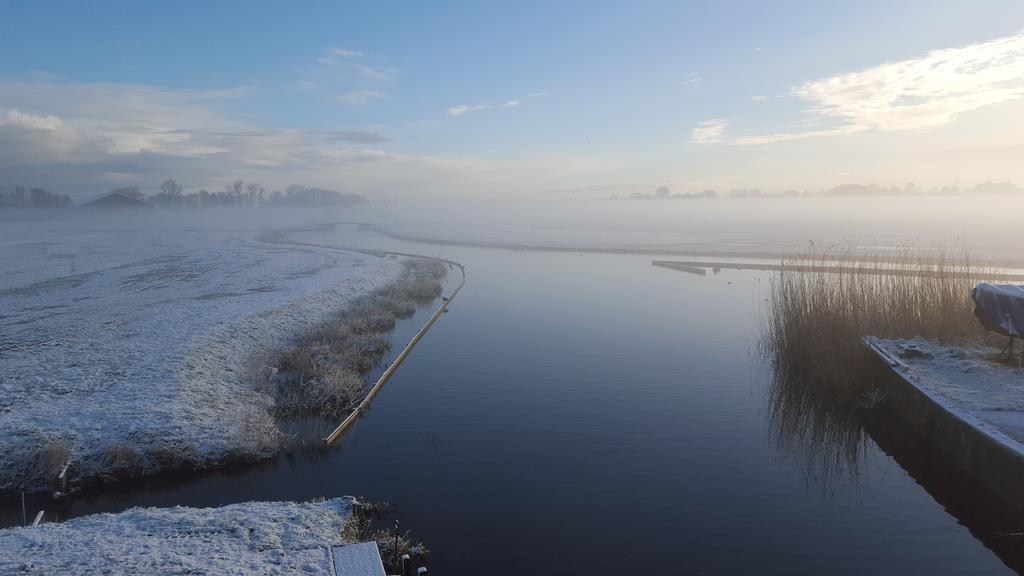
x: 977, y: 448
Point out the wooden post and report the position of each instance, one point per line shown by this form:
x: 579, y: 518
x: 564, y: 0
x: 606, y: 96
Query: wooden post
x: 62, y: 478
x: 396, y: 543
x: 406, y: 565
x: 39, y: 518
x: 24, y: 513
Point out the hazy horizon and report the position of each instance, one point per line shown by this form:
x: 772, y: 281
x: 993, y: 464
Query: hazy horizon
x: 524, y: 100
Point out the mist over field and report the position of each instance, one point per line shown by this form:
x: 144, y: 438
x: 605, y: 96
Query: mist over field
x: 512, y: 288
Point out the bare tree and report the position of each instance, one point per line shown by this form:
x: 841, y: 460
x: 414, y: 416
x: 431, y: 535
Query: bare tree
x: 255, y: 191
x: 171, y: 187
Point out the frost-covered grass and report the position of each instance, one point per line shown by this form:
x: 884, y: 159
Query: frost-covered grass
x: 126, y: 348
x: 249, y: 538
x: 323, y: 373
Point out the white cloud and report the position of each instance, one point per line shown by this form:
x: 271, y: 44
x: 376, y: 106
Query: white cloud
x: 31, y: 122
x: 342, y: 53
x: 461, y: 109
x: 709, y: 131
x: 692, y: 79
x: 758, y: 98
x: 932, y: 90
x: 789, y: 136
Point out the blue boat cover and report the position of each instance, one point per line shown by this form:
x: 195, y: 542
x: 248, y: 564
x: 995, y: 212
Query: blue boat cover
x: 1000, y: 308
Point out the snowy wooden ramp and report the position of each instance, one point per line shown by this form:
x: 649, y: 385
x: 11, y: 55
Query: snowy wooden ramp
x: 357, y: 560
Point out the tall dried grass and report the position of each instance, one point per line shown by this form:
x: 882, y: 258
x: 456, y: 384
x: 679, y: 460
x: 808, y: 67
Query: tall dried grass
x: 52, y: 454
x: 813, y: 329
x: 323, y: 373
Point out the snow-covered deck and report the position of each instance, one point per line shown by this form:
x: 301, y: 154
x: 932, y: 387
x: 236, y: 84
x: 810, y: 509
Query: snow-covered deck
x: 968, y: 405
x: 250, y: 538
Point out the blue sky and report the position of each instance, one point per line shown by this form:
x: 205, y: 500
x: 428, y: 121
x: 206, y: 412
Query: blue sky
x: 507, y: 98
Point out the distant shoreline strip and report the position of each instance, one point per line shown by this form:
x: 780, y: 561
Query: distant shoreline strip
x: 701, y: 267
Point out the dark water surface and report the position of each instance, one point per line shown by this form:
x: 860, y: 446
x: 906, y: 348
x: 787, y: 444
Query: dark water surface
x: 592, y: 414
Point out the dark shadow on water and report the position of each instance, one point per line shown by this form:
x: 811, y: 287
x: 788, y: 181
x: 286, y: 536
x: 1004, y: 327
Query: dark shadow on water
x: 994, y: 523
x: 829, y: 436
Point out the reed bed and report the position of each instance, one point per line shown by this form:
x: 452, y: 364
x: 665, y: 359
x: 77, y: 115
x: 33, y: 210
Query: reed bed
x: 817, y: 315
x: 322, y: 375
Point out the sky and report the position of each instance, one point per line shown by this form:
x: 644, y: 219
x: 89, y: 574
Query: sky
x: 501, y: 99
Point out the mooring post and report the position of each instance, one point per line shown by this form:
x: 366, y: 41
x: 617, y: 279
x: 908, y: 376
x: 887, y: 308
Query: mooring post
x: 406, y: 565
x: 62, y: 478
x: 396, y: 543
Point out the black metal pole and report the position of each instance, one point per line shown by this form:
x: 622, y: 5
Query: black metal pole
x: 396, y: 544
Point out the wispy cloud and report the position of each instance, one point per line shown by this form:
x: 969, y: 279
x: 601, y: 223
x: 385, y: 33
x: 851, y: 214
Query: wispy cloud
x: 911, y: 94
x: 460, y: 109
x: 342, y: 53
x: 709, y: 131
x: 345, y: 76
x: 692, y: 79
x: 332, y: 56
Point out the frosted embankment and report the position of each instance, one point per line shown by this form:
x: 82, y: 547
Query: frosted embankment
x: 126, y: 351
x: 250, y: 538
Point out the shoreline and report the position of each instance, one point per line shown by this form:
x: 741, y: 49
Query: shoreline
x: 218, y: 452
x: 638, y: 250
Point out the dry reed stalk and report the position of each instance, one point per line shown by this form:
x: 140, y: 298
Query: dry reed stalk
x: 813, y: 329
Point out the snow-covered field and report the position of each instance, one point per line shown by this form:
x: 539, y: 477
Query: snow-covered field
x: 966, y: 380
x: 128, y: 344
x: 250, y: 538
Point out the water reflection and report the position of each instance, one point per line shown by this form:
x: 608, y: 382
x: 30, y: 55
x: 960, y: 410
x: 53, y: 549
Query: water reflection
x: 830, y: 435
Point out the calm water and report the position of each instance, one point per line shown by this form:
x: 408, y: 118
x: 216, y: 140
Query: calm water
x: 593, y: 414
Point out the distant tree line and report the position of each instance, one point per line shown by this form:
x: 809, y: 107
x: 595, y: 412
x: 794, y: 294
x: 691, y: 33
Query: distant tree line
x: 240, y: 193
x: 32, y: 197
x: 172, y: 194
x: 843, y: 190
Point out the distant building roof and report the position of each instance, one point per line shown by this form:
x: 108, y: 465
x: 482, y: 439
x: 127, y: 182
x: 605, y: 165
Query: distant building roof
x: 117, y: 200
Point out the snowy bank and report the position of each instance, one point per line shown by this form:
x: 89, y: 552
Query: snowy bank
x: 250, y: 538
x: 965, y: 404
x: 126, y: 350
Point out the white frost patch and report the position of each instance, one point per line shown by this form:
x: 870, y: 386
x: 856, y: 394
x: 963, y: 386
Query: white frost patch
x: 249, y: 538
x: 966, y: 380
x: 140, y: 338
